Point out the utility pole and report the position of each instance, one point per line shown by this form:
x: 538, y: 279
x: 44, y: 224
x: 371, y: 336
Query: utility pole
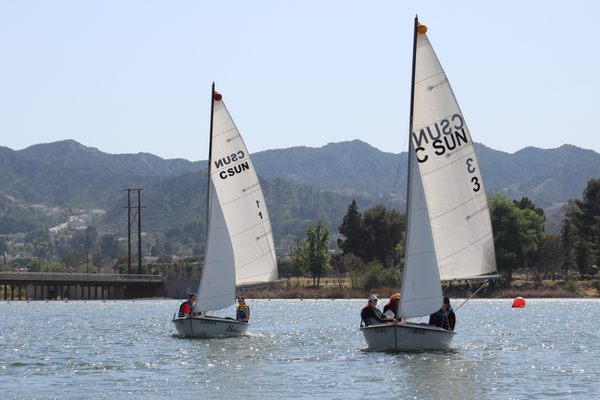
x: 134, y: 215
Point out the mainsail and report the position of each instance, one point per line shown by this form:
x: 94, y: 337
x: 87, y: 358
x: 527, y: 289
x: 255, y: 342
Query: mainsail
x: 446, y: 190
x: 240, y: 248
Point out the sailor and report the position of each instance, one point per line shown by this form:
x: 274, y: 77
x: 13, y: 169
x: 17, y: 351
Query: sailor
x: 444, y: 317
x: 370, y: 314
x: 243, y: 311
x: 391, y: 308
x: 186, y: 308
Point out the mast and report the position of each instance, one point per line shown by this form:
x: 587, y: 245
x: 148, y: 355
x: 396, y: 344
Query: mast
x: 410, y: 119
x: 209, y: 168
x: 410, y: 150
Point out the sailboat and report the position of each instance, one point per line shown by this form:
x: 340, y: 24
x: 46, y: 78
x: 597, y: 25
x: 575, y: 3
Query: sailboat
x: 449, y: 231
x: 239, y: 241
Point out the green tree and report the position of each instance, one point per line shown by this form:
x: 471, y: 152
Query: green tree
x: 517, y: 234
x: 383, y: 232
x: 352, y: 230
x: 312, y: 254
x: 372, y: 236
x: 581, y: 229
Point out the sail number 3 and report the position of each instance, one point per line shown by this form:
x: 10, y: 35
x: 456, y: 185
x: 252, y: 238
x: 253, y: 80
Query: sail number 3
x: 474, y: 180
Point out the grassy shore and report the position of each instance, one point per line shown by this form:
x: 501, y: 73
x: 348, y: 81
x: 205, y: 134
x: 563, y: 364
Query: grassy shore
x: 302, y: 288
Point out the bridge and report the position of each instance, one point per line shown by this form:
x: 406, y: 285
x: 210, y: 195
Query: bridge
x: 50, y: 285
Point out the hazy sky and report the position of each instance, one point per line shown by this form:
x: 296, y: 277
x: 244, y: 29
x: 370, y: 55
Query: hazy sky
x: 135, y: 76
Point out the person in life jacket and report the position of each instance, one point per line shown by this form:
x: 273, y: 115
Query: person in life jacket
x: 370, y: 314
x: 444, y: 317
x: 242, y: 313
x: 186, y: 309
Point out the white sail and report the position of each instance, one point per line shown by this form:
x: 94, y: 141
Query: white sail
x: 217, y: 286
x: 239, y: 248
x: 421, y: 287
x: 242, y: 201
x: 454, y: 193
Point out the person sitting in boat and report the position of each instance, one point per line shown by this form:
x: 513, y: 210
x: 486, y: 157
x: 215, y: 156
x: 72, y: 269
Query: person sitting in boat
x: 242, y: 312
x: 371, y: 315
x: 186, y: 309
x: 391, y: 308
x: 444, y: 317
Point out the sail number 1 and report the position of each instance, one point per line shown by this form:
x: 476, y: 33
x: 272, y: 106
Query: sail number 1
x: 474, y: 180
x: 259, y: 212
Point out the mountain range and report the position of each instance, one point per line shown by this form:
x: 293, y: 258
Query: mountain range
x: 301, y: 184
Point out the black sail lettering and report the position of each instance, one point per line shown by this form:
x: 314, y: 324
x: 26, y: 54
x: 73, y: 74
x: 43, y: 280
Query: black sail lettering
x: 459, y: 137
x: 419, y: 140
x: 460, y: 124
x: 448, y: 145
x: 446, y: 130
x: 421, y: 160
x: 439, y: 134
x: 439, y: 146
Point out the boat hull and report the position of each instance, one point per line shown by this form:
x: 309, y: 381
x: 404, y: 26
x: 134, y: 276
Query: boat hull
x: 209, y: 327
x: 407, y: 336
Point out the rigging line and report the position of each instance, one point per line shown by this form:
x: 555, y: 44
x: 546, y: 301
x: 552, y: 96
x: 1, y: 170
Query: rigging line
x: 401, y: 163
x: 460, y: 205
x: 465, y: 247
x: 419, y: 253
x: 471, y: 296
x: 221, y: 260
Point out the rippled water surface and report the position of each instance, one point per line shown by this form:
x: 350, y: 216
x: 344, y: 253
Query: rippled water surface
x: 294, y: 349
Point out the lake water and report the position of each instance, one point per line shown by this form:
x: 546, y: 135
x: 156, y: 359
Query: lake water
x: 295, y: 349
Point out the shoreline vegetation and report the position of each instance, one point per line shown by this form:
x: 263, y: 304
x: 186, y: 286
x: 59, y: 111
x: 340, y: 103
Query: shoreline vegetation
x: 301, y: 288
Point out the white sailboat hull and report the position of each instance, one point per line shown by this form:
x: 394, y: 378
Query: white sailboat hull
x: 407, y: 336
x: 209, y: 327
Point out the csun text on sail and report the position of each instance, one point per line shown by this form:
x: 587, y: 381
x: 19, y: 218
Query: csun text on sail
x: 445, y: 135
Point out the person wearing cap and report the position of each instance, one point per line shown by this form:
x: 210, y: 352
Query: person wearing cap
x: 370, y: 314
x: 186, y: 308
x: 444, y: 317
x: 242, y: 313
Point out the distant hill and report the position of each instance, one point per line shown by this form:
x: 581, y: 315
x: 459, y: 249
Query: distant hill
x: 301, y: 184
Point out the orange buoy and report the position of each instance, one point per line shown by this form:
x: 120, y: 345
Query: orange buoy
x: 518, y: 302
